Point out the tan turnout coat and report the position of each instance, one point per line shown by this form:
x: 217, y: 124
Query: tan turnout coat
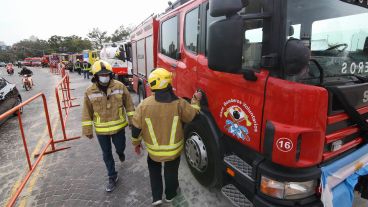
x: 162, y: 126
x: 107, y: 113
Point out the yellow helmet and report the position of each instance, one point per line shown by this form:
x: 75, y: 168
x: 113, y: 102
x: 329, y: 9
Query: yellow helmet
x: 159, y: 79
x: 101, y: 67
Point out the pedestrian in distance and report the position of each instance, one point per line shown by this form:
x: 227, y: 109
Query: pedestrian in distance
x: 107, y: 103
x: 158, y: 122
x: 60, y: 66
x: 86, y: 69
x: 78, y: 66
x: 70, y: 66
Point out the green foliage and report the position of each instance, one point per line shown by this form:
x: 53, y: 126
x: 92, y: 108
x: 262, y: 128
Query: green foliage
x: 38, y: 48
x: 98, y: 37
x: 7, y: 56
x: 121, y: 34
x: 71, y: 44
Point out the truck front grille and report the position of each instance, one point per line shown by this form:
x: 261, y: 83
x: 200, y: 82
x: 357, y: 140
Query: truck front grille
x: 340, y: 127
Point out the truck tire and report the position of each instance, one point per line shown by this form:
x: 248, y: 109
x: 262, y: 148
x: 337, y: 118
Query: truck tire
x: 141, y: 93
x: 202, y: 155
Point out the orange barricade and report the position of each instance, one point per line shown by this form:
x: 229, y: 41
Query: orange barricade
x: 64, y: 87
x: 51, y: 141
x: 54, y: 70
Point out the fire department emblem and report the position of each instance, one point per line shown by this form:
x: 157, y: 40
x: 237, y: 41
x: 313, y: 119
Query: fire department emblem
x: 239, y: 119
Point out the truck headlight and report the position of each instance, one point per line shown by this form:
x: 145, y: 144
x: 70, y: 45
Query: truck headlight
x: 287, y: 190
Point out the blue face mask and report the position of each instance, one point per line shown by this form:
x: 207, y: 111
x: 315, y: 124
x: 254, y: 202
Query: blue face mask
x: 104, y: 80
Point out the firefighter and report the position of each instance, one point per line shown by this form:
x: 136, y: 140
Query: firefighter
x: 78, y: 66
x: 107, y: 102
x: 158, y: 121
x: 86, y: 69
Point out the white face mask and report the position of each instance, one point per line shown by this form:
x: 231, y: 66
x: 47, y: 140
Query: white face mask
x: 103, y: 80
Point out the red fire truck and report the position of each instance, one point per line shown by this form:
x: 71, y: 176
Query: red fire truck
x: 286, y: 93
x: 45, y: 61
x: 118, y: 55
x: 32, y: 61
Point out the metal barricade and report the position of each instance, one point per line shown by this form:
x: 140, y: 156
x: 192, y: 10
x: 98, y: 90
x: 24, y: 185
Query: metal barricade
x: 65, y: 105
x: 44, y: 151
x: 64, y: 87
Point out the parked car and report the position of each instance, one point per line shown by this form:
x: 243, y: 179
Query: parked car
x: 9, y: 97
x: 2, y: 64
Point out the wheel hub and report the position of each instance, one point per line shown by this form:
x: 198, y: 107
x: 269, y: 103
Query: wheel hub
x: 196, y: 152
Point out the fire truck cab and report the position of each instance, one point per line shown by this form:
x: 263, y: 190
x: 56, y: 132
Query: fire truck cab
x: 286, y: 93
x: 90, y: 56
x: 118, y: 54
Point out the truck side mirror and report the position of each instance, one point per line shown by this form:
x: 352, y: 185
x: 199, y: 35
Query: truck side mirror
x: 225, y: 44
x: 226, y: 8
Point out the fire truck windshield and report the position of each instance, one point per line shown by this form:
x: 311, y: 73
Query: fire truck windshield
x: 335, y: 31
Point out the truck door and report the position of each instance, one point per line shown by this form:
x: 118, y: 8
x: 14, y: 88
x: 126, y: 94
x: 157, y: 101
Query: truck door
x: 188, y: 64
x: 236, y: 103
x: 169, y: 55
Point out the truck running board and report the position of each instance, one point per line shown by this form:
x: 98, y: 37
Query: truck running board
x: 235, y: 196
x: 240, y: 165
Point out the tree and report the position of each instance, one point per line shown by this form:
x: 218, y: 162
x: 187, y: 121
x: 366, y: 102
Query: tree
x: 7, y: 56
x: 75, y: 44
x: 30, y: 48
x: 55, y: 42
x: 121, y: 34
x: 98, y: 37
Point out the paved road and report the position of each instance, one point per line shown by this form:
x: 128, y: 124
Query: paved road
x: 76, y: 177
x: 12, y: 156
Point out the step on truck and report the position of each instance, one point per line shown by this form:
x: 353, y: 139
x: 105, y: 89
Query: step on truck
x: 283, y: 119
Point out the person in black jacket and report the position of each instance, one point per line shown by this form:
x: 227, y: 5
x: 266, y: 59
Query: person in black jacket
x: 28, y: 72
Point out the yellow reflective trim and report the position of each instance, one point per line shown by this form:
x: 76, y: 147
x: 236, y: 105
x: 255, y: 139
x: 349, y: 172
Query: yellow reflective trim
x: 173, y: 129
x: 131, y: 113
x: 196, y: 107
x: 136, y: 139
x: 121, y: 113
x: 110, y: 129
x: 110, y: 123
x: 98, y: 123
x: 152, y: 133
x: 164, y: 147
x: 165, y: 153
x: 98, y: 119
x: 87, y: 123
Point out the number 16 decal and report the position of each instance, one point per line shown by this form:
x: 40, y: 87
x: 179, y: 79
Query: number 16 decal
x: 284, y: 144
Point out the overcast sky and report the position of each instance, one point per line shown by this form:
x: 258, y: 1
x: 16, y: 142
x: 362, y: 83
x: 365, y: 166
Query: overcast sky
x: 19, y: 19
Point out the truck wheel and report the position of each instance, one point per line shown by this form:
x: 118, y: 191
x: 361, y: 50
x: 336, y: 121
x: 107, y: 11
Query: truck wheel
x: 202, y: 154
x: 141, y: 94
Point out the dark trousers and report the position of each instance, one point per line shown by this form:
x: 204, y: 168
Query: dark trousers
x: 86, y: 74
x: 171, y: 178
x: 105, y: 142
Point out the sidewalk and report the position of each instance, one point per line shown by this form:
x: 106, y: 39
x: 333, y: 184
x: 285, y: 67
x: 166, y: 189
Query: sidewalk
x: 77, y: 176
